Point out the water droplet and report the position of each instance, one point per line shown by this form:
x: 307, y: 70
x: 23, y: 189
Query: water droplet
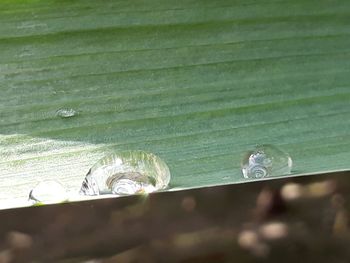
x: 126, y: 173
x: 25, y: 53
x: 31, y: 25
x: 66, y: 113
x: 48, y: 192
x: 264, y: 161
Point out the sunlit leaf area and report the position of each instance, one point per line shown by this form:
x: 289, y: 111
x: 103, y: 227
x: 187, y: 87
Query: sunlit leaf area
x: 197, y: 83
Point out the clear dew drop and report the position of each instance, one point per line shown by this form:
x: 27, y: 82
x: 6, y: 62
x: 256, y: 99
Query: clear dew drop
x: 25, y: 53
x: 265, y: 161
x: 48, y: 192
x: 66, y: 113
x: 126, y: 173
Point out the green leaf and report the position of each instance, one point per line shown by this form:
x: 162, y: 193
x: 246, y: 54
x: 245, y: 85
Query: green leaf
x: 196, y: 82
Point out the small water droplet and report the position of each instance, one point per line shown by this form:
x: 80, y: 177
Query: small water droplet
x: 48, y: 192
x: 66, y: 113
x: 31, y: 25
x: 126, y: 173
x: 25, y: 53
x: 264, y: 161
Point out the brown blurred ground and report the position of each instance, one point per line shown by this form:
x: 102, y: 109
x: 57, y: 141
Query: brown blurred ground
x: 299, y: 219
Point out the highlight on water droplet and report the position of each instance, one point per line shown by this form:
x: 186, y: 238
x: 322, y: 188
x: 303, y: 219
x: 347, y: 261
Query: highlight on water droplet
x: 264, y: 161
x: 126, y: 173
x: 66, y: 113
x: 48, y: 192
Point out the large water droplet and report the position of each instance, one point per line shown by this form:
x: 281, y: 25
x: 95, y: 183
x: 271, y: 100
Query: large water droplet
x: 126, y: 173
x: 66, y: 113
x: 48, y: 192
x: 264, y: 161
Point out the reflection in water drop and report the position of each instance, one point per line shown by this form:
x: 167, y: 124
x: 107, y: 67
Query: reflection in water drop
x: 126, y: 173
x: 48, y: 192
x: 66, y: 113
x: 266, y: 160
x: 257, y: 171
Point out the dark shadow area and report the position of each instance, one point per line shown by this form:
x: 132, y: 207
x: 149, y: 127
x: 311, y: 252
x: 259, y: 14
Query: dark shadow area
x: 290, y: 220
